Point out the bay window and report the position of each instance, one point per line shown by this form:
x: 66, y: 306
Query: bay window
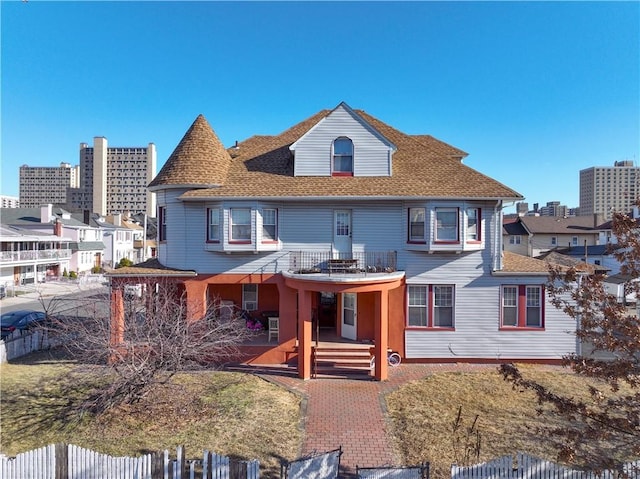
x: 473, y: 224
x: 240, y: 224
x: 269, y: 225
x: 416, y: 224
x: 447, y: 224
x: 213, y: 225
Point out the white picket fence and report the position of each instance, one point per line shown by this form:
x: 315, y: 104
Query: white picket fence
x: 529, y: 467
x: 61, y: 461
x: 20, y: 344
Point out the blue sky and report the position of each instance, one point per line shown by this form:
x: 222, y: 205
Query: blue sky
x: 533, y: 91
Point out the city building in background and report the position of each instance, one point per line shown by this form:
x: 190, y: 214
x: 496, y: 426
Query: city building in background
x: 114, y: 179
x: 9, y: 201
x: 553, y: 208
x: 605, y: 190
x: 47, y: 184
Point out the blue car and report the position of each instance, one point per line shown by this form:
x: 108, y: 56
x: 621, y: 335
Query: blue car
x: 22, y: 320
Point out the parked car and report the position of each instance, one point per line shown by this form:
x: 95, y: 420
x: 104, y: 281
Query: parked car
x: 22, y: 320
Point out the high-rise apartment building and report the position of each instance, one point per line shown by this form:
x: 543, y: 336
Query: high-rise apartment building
x: 9, y: 201
x: 554, y: 208
x: 114, y: 179
x: 605, y: 190
x: 40, y: 185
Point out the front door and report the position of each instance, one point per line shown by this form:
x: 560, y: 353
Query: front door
x: 349, y: 316
x: 342, y: 234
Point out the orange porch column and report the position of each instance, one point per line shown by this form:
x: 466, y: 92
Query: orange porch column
x: 304, y: 334
x: 116, y: 333
x: 382, y: 334
x: 196, y: 300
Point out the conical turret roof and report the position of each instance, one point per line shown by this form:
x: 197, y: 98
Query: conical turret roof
x: 199, y: 160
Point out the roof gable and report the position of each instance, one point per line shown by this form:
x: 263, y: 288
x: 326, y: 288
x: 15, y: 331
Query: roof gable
x: 335, y: 120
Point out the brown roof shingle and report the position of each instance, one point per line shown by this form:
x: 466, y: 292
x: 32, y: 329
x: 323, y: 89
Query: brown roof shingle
x: 200, y: 159
x: 262, y: 166
x: 517, y: 263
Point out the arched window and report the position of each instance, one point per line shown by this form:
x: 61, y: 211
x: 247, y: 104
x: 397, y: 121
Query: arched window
x: 342, y: 156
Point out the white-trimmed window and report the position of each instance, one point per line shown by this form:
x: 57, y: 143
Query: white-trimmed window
x: 240, y: 224
x: 269, y: 224
x: 522, y: 306
x: 509, y: 305
x: 250, y: 297
x: 515, y: 239
x: 442, y: 306
x: 418, y: 306
x: 447, y: 224
x: 162, y: 221
x: 213, y: 224
x: 554, y: 241
x: 416, y: 224
x: 431, y: 306
x: 574, y: 241
x: 473, y: 224
x: 342, y: 163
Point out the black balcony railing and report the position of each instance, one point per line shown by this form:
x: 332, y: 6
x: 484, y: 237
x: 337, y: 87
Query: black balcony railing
x: 328, y: 262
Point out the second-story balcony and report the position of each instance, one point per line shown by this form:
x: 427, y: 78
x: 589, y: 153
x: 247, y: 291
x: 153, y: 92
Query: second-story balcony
x: 34, y: 256
x: 330, y: 262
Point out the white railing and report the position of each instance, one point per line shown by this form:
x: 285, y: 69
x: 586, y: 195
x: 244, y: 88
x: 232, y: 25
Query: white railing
x: 34, y: 255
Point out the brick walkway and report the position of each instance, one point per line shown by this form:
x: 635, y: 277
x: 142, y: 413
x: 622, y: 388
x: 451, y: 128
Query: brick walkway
x: 351, y: 413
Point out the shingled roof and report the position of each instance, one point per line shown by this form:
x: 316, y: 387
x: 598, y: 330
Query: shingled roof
x: 199, y: 160
x: 513, y: 263
x: 262, y: 166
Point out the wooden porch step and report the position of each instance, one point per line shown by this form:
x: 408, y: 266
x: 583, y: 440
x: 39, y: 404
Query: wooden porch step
x: 342, y: 361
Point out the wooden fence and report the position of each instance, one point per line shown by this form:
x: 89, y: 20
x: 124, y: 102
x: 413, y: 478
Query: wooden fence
x: 20, y: 344
x: 61, y: 461
x: 529, y: 467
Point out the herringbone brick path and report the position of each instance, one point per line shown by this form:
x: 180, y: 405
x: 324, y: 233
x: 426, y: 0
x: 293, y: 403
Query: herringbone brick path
x: 351, y: 413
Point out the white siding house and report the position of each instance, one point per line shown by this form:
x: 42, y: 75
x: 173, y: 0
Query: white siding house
x: 343, y: 225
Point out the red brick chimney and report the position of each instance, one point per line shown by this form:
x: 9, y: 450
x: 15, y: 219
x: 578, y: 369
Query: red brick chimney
x: 57, y: 228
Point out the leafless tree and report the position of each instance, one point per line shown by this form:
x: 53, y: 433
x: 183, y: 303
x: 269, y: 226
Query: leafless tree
x: 156, y: 340
x: 603, y: 431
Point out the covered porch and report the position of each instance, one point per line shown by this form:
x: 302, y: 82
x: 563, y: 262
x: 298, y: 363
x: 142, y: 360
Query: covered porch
x: 368, y: 310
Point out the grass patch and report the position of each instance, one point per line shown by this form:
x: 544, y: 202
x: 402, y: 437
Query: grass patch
x: 233, y: 414
x: 423, y: 414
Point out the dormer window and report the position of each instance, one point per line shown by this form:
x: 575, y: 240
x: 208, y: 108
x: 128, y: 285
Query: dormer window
x: 342, y: 157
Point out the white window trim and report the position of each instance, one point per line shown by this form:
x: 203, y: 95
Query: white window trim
x: 249, y: 298
x: 335, y: 155
x: 266, y: 239
x: 429, y: 308
x: 232, y: 224
x: 211, y: 214
x: 422, y: 238
x: 457, y: 224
